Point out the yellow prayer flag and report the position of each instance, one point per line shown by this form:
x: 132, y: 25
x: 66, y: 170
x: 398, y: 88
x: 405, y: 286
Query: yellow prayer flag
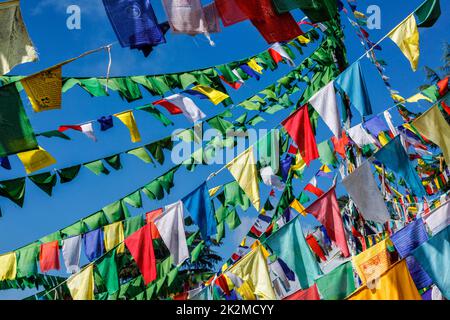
x: 297, y: 206
x: 325, y: 169
x: 303, y: 40
x: 383, y: 139
x: 214, y: 95
x: 359, y: 15
x: 243, y: 169
x: 373, y: 262
x: 418, y: 97
x: 434, y: 127
x: 213, y: 191
x: 34, y: 160
x: 406, y: 36
x: 127, y: 118
x: 113, y: 235
x: 8, y: 266
x: 395, y: 284
x: 246, y: 291
x: 244, y: 240
x: 257, y: 244
x: 81, y: 284
x: 253, y: 270
x: 397, y: 97
x: 44, y: 89
x: 255, y: 66
x: 299, y: 164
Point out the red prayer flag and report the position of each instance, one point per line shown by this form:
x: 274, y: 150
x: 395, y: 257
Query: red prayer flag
x: 150, y: 217
x: 229, y: 12
x: 67, y: 127
x: 222, y: 283
x: 314, y: 190
x: 326, y: 210
x: 315, y: 247
x: 49, y: 256
x: 309, y: 294
x: 235, y: 85
x: 140, y: 245
x: 275, y: 56
x: 446, y: 107
x: 299, y: 128
x: 173, y: 109
x: 273, y: 27
x: 340, y: 144
x: 292, y: 150
x: 443, y: 86
x: 181, y: 296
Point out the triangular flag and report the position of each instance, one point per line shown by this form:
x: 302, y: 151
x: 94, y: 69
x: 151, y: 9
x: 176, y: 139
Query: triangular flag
x: 35, y: 160
x: 81, y: 285
x: 127, y: 118
x: 243, y: 169
x: 428, y: 13
x: 88, y: 130
x: 324, y: 102
x: 277, y: 51
x: 406, y: 36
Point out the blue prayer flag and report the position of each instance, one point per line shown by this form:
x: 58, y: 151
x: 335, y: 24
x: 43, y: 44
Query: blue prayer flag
x: 93, y: 244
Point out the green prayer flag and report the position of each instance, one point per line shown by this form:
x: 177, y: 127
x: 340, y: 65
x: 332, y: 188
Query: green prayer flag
x: 45, y: 181
x: 221, y: 213
x: 234, y: 196
x: 220, y: 124
x: 156, y: 113
x: 150, y: 291
x: 97, y: 167
x: 51, y: 237
x: 132, y: 225
x: 289, y: 244
x: 74, y: 229
x: 134, y: 199
x: 233, y: 221
x: 337, y: 284
x: 114, y: 161
x: 172, y: 275
x: 269, y: 150
x: 108, y: 271
x: 127, y: 88
x: 95, y: 221
x: 192, y: 237
x: 54, y: 134
x: 142, y: 154
x: 114, y: 211
x: 27, y: 260
x: 16, y: 133
x: 68, y: 174
x: 428, y: 13
x: 326, y: 154
x: 197, y: 250
x: 220, y: 231
x: 255, y: 120
x: 14, y: 190
x: 227, y: 73
x: 316, y: 10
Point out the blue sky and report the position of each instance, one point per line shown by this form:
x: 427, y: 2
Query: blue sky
x: 46, y: 23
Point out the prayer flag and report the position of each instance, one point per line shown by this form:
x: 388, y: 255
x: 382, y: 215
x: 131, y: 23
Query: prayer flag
x: 186, y: 16
x: 278, y: 53
x: 337, y: 284
x: 215, y: 96
x: 270, y: 179
x: 428, y: 13
x: 229, y: 12
x: 49, y: 256
x: 16, y: 132
x: 170, y: 225
x: 8, y: 266
x: 395, y: 284
x: 324, y: 102
x: 308, y: 294
x: 434, y: 127
x: 15, y: 43
x: 107, y: 268
x: 35, y: 160
x: 406, y: 37
x: 150, y: 217
x: 93, y: 244
x: 312, y: 187
x: 71, y: 251
x: 438, y: 219
x: 113, y: 235
x: 363, y: 190
x: 352, y: 82
x: 44, y: 89
x: 326, y: 210
x: 179, y: 103
x: 243, y: 169
x: 81, y: 285
x: 127, y: 118
x: 200, y: 207
x: 289, y: 244
x: 298, y: 125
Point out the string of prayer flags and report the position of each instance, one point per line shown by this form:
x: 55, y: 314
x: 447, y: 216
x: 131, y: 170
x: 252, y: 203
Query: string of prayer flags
x: 394, y: 156
x: 394, y: 284
x: 352, y: 82
x: 289, y: 244
x: 363, y: 190
x: 215, y: 96
x: 81, y: 285
x: 16, y: 46
x: 434, y: 127
x: 428, y: 13
x: 200, y: 208
x: 406, y: 37
x: 128, y: 120
x: 35, y: 160
x: 273, y: 27
x: 373, y: 262
x: 433, y: 256
x: 298, y: 126
x: 324, y: 102
x: 337, y: 284
x: 254, y: 273
x: 71, y: 251
x: 8, y: 266
x: 243, y: 169
x: 170, y: 225
x: 49, y: 256
x: 135, y: 24
x: 140, y: 245
x: 16, y: 132
x: 326, y: 210
x: 44, y: 89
